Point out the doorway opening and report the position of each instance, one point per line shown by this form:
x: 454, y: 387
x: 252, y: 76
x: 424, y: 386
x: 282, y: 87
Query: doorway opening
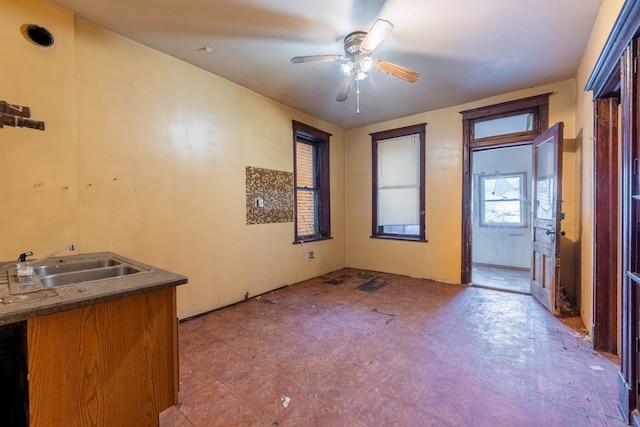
x: 501, y: 218
x: 520, y: 124
x: 500, y: 126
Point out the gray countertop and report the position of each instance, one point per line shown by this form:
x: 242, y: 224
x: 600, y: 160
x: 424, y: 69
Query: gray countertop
x: 48, y: 300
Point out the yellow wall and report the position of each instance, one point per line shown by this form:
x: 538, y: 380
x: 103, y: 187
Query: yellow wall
x: 584, y: 129
x: 145, y: 155
x: 440, y: 257
x: 38, y: 176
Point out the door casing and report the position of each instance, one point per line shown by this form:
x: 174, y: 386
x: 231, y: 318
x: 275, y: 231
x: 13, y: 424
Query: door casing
x: 539, y: 106
x: 615, y: 74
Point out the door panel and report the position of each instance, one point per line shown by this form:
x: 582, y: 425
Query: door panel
x: 628, y: 386
x: 547, y: 207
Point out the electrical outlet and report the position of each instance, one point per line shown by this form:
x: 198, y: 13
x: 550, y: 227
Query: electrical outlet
x: 495, y: 250
x: 312, y: 255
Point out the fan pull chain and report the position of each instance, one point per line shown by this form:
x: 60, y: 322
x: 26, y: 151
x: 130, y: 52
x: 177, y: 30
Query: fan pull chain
x: 357, y: 96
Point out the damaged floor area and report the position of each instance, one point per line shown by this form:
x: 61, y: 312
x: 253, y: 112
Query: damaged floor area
x: 358, y: 348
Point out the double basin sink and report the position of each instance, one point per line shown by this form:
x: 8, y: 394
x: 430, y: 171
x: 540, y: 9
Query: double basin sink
x: 50, y: 274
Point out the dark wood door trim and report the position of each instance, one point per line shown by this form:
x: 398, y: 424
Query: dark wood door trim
x: 606, y: 214
x: 629, y: 316
x: 539, y: 106
x: 615, y: 72
x: 467, y: 231
x: 605, y: 77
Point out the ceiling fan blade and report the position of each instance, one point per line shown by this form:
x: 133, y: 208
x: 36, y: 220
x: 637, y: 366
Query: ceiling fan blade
x: 397, y: 71
x: 376, y: 34
x: 316, y: 58
x: 343, y: 93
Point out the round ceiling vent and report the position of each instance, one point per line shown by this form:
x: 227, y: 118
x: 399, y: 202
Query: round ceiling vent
x: 37, y: 35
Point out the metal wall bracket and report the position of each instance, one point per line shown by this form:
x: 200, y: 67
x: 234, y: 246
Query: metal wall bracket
x: 17, y: 116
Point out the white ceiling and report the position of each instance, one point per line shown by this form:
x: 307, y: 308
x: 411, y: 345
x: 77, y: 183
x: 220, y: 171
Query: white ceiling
x: 464, y: 49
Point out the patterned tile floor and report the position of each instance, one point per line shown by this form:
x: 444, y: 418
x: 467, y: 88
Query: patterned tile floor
x: 356, y: 348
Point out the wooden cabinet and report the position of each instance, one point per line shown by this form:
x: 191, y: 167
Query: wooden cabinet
x: 110, y: 364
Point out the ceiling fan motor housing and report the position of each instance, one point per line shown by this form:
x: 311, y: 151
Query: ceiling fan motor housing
x: 352, y: 43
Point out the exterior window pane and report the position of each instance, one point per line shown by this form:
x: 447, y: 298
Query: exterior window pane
x: 502, y: 200
x: 306, y: 189
x: 306, y: 213
x: 503, y: 126
x: 502, y: 212
x: 305, y: 159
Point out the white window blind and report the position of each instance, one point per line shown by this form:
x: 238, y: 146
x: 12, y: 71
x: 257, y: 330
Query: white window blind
x: 399, y: 181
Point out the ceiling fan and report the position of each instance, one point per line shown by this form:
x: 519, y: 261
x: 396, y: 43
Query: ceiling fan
x: 357, y: 60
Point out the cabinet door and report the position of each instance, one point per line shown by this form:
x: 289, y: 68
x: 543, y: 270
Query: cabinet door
x: 109, y: 364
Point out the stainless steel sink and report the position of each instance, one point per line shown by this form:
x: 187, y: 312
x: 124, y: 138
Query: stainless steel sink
x: 88, y: 275
x: 71, y: 272
x: 69, y: 266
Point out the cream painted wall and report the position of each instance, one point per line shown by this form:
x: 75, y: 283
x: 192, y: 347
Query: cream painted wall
x: 440, y: 257
x: 38, y: 177
x: 584, y: 151
x: 145, y: 155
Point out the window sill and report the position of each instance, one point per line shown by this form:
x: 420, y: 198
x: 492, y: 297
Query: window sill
x: 314, y: 239
x: 404, y: 238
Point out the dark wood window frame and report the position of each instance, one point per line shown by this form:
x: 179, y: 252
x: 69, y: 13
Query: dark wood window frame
x: 419, y: 129
x: 539, y: 107
x: 320, y: 141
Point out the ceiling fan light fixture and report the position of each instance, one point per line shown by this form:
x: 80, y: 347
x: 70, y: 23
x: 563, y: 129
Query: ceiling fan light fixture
x: 366, y: 64
x: 356, y: 63
x: 347, y: 67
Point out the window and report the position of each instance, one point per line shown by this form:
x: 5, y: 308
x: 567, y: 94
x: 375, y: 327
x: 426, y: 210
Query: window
x: 508, y: 123
x: 398, y: 183
x: 311, y: 176
x: 502, y: 200
x: 503, y: 125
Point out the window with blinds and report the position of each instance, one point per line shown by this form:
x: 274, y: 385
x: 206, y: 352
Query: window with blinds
x: 306, y: 189
x: 311, y: 177
x: 398, y: 183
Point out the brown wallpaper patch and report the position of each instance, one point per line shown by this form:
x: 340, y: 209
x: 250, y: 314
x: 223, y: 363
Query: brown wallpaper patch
x: 275, y: 188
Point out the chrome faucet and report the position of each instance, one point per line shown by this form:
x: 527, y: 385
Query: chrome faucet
x: 23, y: 256
x: 71, y: 248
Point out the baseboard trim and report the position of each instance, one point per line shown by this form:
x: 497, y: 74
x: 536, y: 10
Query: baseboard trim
x: 506, y: 267
x: 624, y: 400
